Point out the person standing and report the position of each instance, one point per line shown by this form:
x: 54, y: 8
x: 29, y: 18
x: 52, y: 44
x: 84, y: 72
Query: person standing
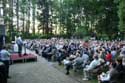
x: 19, y: 43
x: 5, y: 58
x: 3, y: 78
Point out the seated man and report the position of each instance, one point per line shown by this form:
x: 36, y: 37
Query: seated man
x: 80, y: 61
x: 90, y: 67
x: 68, y: 62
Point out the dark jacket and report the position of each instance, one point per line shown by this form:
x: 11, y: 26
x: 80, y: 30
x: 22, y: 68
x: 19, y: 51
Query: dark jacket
x: 118, y: 75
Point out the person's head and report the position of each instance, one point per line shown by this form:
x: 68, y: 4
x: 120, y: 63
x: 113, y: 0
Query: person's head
x: 85, y: 52
x: 95, y: 57
x: 4, y: 47
x: 119, y: 60
x: 97, y: 51
x: 108, y: 52
x: 113, y: 64
x: 19, y: 37
x: 78, y: 51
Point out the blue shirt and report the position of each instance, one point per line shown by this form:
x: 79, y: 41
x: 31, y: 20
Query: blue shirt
x: 4, y: 55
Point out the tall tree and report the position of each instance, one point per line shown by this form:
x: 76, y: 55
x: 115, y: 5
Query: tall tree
x: 11, y: 19
x: 4, y: 2
x: 108, y: 24
x: 23, y: 11
x: 44, y: 16
x: 34, y: 14
x: 28, y: 16
x: 17, y: 14
x: 121, y: 13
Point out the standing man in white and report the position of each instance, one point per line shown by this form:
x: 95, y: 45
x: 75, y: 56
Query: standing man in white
x: 20, y: 44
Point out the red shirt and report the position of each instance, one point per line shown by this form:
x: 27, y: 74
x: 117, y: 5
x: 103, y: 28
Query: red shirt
x: 108, y: 57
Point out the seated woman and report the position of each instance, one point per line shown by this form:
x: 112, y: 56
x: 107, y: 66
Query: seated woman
x: 106, y: 77
x: 116, y: 73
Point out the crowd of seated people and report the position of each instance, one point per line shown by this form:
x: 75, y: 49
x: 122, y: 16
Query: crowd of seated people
x: 91, y: 56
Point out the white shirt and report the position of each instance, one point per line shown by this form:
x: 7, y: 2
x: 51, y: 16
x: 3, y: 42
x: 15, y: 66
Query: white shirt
x: 93, y: 64
x: 105, y: 77
x: 85, y: 57
x: 15, y: 47
x: 4, y: 55
x: 58, y: 46
x: 113, y: 53
x: 65, y: 61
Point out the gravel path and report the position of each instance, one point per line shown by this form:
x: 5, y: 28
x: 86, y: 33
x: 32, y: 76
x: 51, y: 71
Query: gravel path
x: 37, y: 72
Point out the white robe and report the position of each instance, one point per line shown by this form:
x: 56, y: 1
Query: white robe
x: 15, y: 48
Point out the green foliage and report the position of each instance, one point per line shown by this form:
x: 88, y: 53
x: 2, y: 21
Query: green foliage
x: 23, y: 6
x: 81, y: 32
x: 43, y: 36
x: 121, y: 13
x: 72, y: 17
x: 92, y: 15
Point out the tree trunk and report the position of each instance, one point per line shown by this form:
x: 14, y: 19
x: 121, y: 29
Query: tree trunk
x: 47, y: 18
x: 23, y: 23
x: 34, y: 19
x: 17, y: 14
x: 28, y: 14
x: 11, y: 20
x: 4, y: 11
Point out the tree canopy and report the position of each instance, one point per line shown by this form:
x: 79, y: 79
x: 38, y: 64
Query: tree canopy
x: 66, y: 17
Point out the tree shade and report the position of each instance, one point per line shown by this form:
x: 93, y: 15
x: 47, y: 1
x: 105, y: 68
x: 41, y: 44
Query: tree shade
x: 65, y: 17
